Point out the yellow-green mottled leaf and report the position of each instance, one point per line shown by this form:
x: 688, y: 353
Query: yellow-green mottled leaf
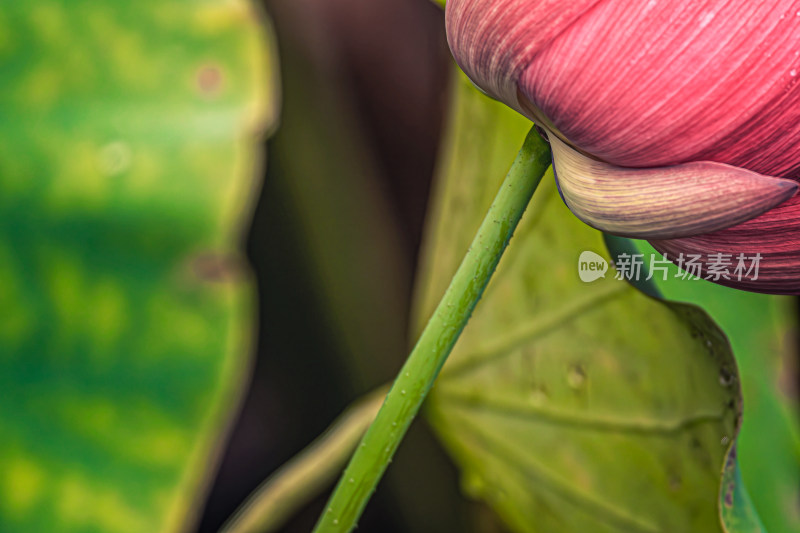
x: 570, y: 406
x: 128, y: 144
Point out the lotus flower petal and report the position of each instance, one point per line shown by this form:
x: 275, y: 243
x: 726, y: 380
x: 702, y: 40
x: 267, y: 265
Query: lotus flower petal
x: 493, y: 41
x: 668, y: 202
x: 646, y: 84
x: 774, y: 236
x: 677, y: 110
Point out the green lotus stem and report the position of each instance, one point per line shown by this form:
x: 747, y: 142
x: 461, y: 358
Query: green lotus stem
x: 415, y: 379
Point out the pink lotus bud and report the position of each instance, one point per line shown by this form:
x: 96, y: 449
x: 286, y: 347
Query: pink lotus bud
x: 670, y: 120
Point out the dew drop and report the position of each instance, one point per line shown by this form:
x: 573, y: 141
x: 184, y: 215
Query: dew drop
x: 724, y: 441
x: 725, y: 377
x: 351, y: 480
x: 335, y: 521
x: 403, y: 392
x: 473, y: 485
x: 576, y: 377
x: 538, y: 396
x: 793, y: 73
x: 115, y: 158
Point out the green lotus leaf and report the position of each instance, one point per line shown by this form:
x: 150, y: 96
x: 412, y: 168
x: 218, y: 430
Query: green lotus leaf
x: 759, y: 327
x: 129, y: 139
x: 570, y: 405
x: 736, y: 509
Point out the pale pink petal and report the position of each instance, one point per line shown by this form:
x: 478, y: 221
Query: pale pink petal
x: 665, y: 202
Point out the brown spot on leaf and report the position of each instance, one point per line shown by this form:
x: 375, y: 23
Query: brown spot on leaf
x: 215, y: 268
x: 729, y: 490
x: 209, y: 79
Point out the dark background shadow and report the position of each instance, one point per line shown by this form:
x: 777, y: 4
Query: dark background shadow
x: 334, y: 244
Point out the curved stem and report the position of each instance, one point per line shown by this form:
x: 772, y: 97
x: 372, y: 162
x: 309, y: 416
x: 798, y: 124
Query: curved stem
x: 307, y: 473
x: 437, y: 340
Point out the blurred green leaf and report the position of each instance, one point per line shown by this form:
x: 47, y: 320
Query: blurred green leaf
x: 570, y: 406
x: 127, y: 155
x: 760, y: 328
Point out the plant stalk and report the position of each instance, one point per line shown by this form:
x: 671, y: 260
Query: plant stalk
x: 415, y: 379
